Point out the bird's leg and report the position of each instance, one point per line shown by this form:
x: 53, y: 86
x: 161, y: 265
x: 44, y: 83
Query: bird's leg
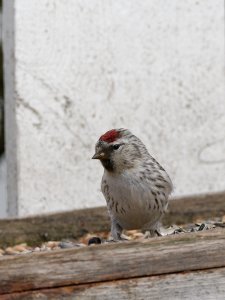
x: 157, y: 232
x: 116, y: 231
x: 153, y: 231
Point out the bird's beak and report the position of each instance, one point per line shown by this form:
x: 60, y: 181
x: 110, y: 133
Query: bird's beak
x: 99, y: 155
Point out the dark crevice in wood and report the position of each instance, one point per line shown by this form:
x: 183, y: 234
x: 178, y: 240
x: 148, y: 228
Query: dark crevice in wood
x: 103, y: 263
x: 99, y: 283
x: 72, y: 225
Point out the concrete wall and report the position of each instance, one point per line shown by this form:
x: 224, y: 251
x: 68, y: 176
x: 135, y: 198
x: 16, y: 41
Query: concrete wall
x: 77, y: 68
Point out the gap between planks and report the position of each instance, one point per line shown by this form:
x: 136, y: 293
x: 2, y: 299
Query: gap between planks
x: 72, y: 225
x: 157, y: 256
x: 206, y: 284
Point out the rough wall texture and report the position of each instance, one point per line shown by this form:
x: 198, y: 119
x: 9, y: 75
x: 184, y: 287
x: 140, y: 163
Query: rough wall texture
x: 83, y: 67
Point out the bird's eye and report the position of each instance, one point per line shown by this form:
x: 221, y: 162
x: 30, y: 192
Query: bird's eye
x: 116, y: 146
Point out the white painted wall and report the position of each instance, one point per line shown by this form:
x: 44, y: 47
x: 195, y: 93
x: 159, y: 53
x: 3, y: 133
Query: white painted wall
x: 81, y: 67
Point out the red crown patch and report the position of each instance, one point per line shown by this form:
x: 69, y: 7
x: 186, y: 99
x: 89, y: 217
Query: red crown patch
x: 110, y: 136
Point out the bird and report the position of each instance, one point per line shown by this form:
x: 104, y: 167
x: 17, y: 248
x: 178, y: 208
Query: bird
x: 136, y: 187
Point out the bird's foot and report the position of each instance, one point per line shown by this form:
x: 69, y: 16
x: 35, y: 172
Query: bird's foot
x: 118, y: 238
x: 152, y: 233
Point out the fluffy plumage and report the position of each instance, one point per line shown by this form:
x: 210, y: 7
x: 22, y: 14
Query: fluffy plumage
x: 134, y: 184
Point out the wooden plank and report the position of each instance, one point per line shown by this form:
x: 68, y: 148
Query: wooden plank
x: 184, y: 252
x: 74, y: 224
x: 37, y: 229
x: 207, y: 284
x: 187, y: 209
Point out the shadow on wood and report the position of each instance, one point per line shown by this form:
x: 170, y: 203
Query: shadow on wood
x: 74, y: 224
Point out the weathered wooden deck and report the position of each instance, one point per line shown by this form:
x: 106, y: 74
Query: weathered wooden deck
x: 184, y: 266
x: 76, y: 223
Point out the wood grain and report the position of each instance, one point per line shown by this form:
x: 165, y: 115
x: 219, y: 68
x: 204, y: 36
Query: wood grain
x: 74, y: 224
x: 184, y: 252
x: 188, y: 209
x: 37, y: 229
x: 207, y: 284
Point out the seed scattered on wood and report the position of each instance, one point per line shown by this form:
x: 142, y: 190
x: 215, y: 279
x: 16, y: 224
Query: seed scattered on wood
x: 202, y: 227
x: 20, y: 248
x: 103, y: 237
x: 52, y: 244
x: 10, y: 251
x: 68, y: 244
x: 37, y: 249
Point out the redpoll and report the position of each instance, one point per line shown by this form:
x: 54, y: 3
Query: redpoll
x: 134, y: 184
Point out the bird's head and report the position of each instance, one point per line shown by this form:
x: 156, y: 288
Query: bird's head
x: 118, y: 150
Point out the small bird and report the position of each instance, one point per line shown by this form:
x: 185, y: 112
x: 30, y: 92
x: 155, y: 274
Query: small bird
x: 134, y: 184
